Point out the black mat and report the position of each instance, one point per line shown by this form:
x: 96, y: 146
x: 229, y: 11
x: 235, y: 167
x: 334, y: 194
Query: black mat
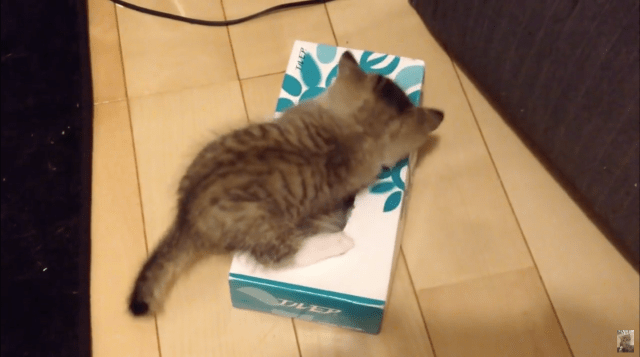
x: 46, y: 178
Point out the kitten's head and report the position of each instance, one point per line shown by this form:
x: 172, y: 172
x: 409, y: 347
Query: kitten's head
x: 381, y: 109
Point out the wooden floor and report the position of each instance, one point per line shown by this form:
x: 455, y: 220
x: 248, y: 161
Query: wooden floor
x: 496, y: 259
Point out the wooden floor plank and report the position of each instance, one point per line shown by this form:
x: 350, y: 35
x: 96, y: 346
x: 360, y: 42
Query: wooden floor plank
x: 506, y: 314
x: 106, y: 60
x: 117, y: 238
x: 403, y: 331
x: 162, y: 55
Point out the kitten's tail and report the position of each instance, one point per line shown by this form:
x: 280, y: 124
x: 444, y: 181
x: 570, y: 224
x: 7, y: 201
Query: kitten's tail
x: 173, y: 256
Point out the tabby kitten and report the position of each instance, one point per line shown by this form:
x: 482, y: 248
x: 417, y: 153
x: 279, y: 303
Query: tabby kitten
x: 265, y: 188
x: 625, y: 344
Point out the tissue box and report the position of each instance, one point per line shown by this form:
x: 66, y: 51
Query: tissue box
x: 350, y: 290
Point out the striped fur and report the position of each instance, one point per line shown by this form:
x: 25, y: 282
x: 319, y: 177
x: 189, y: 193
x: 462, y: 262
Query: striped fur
x: 264, y: 188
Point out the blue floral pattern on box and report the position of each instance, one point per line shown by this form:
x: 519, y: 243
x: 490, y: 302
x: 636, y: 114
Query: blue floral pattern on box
x: 317, y: 68
x: 396, y: 185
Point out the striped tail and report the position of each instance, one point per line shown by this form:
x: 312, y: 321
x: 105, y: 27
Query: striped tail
x: 175, y: 254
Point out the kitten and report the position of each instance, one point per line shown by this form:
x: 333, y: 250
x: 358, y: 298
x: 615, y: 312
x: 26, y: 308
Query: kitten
x: 265, y: 188
x: 625, y: 344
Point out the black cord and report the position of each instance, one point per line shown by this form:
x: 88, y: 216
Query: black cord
x: 216, y: 23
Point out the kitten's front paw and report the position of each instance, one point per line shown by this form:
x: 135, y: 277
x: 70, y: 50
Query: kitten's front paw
x: 323, y: 246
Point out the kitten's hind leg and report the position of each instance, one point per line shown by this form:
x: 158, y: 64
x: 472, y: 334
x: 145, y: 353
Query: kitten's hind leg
x: 333, y: 221
x: 322, y: 246
x: 325, y: 236
x: 317, y: 238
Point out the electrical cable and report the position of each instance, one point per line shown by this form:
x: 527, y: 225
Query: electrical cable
x: 216, y: 23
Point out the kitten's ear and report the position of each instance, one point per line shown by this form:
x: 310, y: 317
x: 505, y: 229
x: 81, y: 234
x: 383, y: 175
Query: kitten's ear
x: 436, y: 114
x: 431, y: 117
x: 348, y: 56
x: 348, y: 66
